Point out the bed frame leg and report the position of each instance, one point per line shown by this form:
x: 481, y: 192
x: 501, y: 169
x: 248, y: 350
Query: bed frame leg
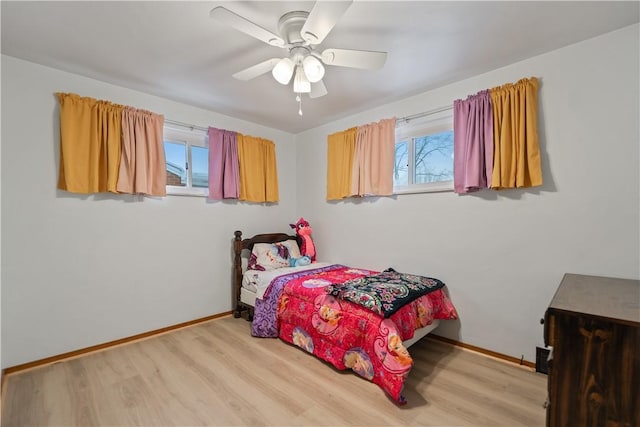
x: 236, y: 312
x: 250, y: 315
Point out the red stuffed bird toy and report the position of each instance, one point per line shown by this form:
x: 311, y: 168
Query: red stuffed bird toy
x: 303, y: 230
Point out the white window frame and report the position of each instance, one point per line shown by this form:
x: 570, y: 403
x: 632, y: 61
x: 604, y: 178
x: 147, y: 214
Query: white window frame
x: 417, y: 128
x: 191, y: 138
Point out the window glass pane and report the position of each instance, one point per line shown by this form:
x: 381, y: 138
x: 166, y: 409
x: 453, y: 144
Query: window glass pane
x: 401, y: 165
x: 200, y: 167
x: 434, y: 158
x: 176, y: 157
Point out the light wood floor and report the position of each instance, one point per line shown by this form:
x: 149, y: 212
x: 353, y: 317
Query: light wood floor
x: 216, y: 374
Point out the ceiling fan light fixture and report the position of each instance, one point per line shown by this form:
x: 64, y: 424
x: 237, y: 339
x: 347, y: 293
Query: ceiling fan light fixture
x: 301, y: 83
x: 283, y: 71
x: 313, y: 68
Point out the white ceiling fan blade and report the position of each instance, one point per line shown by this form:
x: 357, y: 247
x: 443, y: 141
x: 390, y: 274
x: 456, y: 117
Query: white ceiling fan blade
x: 365, y: 59
x: 322, y: 18
x: 225, y: 16
x: 257, y: 70
x: 317, y: 90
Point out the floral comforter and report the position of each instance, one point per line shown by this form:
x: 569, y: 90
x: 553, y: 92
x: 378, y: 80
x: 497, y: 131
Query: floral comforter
x: 298, y: 309
x: 385, y: 293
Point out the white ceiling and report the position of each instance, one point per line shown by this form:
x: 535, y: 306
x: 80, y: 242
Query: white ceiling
x: 174, y: 50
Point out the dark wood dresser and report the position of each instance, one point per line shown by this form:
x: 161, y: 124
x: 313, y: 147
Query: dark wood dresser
x: 593, y: 325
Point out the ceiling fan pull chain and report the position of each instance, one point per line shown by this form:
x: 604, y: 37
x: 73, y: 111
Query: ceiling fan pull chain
x: 299, y: 99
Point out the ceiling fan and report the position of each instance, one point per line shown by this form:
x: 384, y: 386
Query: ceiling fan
x: 300, y: 34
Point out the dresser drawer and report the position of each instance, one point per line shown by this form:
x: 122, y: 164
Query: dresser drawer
x: 594, y: 377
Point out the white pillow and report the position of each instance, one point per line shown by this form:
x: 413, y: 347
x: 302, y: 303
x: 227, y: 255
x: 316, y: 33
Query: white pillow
x: 294, y: 250
x: 269, y: 256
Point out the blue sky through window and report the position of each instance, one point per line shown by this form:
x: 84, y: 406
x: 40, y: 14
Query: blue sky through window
x: 200, y: 166
x: 176, y: 158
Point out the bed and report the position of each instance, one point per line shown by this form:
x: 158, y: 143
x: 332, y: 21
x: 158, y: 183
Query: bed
x: 331, y: 310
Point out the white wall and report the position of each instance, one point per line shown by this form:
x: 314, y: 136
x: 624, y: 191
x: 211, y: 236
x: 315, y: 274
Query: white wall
x: 79, y: 271
x: 503, y: 254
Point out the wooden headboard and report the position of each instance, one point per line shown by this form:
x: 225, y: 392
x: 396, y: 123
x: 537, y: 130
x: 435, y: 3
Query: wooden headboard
x: 240, y: 244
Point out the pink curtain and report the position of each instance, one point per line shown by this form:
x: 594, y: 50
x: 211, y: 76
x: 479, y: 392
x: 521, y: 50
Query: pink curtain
x: 472, y: 143
x: 372, y: 173
x: 142, y: 164
x: 224, y: 176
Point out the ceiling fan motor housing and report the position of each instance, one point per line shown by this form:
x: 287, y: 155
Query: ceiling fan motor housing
x: 298, y: 53
x: 290, y: 25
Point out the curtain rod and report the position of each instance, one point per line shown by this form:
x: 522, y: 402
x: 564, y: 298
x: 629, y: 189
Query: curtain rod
x: 400, y: 120
x: 186, y: 125
x: 407, y: 119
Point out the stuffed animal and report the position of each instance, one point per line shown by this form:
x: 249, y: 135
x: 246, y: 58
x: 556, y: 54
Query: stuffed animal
x: 299, y: 262
x: 304, y: 230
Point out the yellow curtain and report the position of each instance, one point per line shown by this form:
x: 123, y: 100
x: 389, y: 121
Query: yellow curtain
x: 258, y: 169
x: 373, y: 159
x: 516, y: 155
x: 90, y: 141
x: 143, y: 164
x: 340, y: 149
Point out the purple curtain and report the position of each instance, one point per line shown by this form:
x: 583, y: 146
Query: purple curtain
x: 224, y: 176
x: 472, y: 143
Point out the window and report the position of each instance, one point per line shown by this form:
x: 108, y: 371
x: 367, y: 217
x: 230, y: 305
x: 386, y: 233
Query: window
x: 187, y: 156
x: 424, y: 155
